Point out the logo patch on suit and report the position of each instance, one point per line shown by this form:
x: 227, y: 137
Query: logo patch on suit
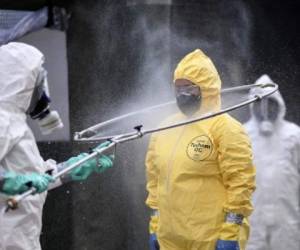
x: 199, y: 148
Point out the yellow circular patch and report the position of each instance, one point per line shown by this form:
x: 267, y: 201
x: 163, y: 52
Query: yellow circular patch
x: 199, y: 148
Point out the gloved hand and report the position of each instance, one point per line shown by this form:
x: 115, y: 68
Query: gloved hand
x: 19, y: 183
x: 99, y: 165
x: 227, y: 245
x: 153, y: 242
x: 87, y: 168
x: 229, y: 235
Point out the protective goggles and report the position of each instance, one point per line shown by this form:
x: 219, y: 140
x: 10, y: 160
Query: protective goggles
x: 187, y: 90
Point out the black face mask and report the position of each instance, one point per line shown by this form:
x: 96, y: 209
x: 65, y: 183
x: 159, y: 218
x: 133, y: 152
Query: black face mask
x: 187, y: 102
x: 266, y: 110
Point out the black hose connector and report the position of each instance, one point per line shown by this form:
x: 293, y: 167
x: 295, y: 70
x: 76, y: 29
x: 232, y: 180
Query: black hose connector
x: 139, y: 130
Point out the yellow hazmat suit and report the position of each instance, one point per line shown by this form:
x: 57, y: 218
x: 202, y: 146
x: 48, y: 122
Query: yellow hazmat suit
x: 198, y: 173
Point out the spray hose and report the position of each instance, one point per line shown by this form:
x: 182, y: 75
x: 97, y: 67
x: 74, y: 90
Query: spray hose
x: 88, y: 135
x: 12, y: 202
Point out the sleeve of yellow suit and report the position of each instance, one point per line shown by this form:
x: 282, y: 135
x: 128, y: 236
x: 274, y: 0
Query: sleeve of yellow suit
x: 238, y: 172
x: 152, y: 182
x: 235, y: 161
x: 152, y: 175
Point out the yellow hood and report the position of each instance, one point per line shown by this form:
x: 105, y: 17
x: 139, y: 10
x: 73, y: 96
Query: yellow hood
x: 199, y: 69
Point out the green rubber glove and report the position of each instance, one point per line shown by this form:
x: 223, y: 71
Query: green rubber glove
x: 40, y: 181
x: 18, y: 183
x: 105, y: 162
x: 102, y: 145
x: 83, y: 171
x: 97, y: 165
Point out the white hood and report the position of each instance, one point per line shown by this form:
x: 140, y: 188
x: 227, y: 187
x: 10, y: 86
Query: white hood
x: 276, y: 96
x: 19, y: 68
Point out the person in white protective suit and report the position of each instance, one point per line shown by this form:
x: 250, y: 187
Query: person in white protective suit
x: 276, y: 149
x: 23, y: 90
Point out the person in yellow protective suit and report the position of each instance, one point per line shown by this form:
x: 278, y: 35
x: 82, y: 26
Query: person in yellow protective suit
x: 200, y: 176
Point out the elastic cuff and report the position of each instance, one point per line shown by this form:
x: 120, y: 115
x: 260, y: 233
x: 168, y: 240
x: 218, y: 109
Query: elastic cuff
x: 230, y: 231
x: 153, y: 224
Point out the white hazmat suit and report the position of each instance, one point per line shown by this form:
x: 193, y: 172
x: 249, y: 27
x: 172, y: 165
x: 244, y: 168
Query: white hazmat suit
x: 24, y: 90
x: 276, y: 217
x: 20, y: 65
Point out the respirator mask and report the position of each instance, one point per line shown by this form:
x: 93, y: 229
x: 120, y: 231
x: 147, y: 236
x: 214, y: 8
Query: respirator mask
x: 39, y: 108
x: 188, y: 98
x: 266, y: 113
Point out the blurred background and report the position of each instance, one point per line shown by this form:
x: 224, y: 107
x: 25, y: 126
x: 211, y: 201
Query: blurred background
x: 116, y: 56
